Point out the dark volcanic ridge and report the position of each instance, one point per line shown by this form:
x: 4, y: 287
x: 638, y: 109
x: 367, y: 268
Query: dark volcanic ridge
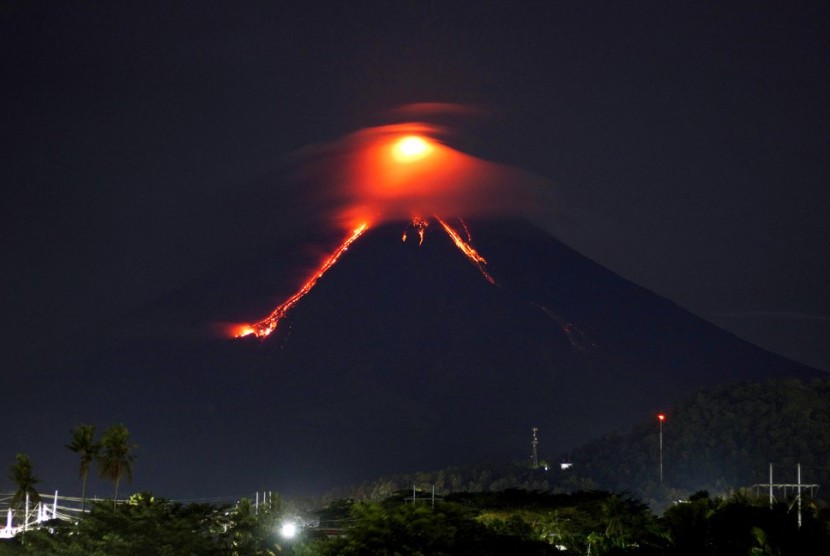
x: 402, y: 358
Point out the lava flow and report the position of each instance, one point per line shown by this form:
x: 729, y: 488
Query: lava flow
x: 467, y: 249
x: 391, y: 173
x: 267, y: 325
x: 420, y: 226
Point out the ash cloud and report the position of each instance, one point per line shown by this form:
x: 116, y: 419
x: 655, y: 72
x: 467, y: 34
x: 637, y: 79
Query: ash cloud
x: 355, y: 178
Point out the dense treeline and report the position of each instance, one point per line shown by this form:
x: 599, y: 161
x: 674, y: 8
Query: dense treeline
x: 514, y: 522
x: 468, y: 478
x: 720, y: 441
x: 146, y: 525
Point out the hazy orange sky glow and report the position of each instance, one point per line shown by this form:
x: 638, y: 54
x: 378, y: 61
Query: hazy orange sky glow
x: 407, y: 170
x: 402, y: 172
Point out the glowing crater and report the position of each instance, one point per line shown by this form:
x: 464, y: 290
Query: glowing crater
x: 411, y: 148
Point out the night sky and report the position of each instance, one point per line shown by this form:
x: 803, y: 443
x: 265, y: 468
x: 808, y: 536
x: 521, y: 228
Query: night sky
x: 682, y: 145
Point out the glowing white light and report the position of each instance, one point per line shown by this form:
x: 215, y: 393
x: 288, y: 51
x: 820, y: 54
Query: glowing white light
x: 288, y: 530
x: 411, y: 149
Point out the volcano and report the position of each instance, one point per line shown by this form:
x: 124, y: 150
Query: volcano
x: 402, y: 358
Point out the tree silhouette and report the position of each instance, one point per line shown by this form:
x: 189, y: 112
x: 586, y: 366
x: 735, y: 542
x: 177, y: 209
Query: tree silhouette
x: 83, y: 443
x: 115, y: 456
x: 24, y: 479
x: 144, y: 525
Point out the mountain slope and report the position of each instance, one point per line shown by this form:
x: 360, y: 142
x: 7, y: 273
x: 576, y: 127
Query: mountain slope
x: 721, y: 440
x: 401, y: 358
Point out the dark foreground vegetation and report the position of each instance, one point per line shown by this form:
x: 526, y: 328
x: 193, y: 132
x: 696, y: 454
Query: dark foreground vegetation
x: 511, y: 522
x: 720, y: 441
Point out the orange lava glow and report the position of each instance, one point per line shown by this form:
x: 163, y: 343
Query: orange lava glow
x: 467, y: 249
x: 392, y: 172
x: 411, y: 148
x: 398, y: 172
x: 420, y: 225
x: 267, y: 325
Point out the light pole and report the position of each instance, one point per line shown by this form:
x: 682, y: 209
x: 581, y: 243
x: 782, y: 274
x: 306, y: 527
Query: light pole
x: 660, y: 418
x: 289, y: 532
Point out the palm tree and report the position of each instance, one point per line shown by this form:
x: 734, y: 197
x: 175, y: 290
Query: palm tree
x: 21, y: 474
x: 115, y: 456
x: 83, y: 444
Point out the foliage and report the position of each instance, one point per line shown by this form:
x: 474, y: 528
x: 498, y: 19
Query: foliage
x: 720, y: 441
x: 508, y: 522
x: 83, y: 443
x: 143, y: 525
x: 703, y: 526
x: 419, y: 529
x: 591, y: 522
x: 115, y: 456
x: 594, y: 521
x: 470, y: 478
x: 254, y: 531
x: 10, y: 547
x: 146, y: 525
x: 24, y: 480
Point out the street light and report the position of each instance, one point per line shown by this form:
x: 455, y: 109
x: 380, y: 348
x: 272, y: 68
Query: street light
x: 288, y: 530
x: 660, y: 418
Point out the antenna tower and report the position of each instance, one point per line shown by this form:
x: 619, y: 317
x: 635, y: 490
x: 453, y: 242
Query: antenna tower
x: 534, y: 454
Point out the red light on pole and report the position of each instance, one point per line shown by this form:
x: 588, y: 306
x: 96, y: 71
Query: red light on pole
x: 660, y: 418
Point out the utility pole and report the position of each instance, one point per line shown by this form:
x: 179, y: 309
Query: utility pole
x: 799, y: 496
x: 534, y: 454
x: 798, y: 486
x: 661, y: 417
